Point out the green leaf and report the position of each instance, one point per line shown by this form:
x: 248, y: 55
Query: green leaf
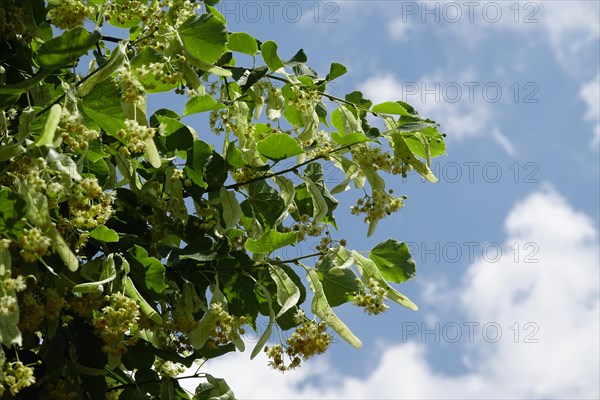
x: 117, y: 58
x: 351, y: 170
x: 344, y: 121
x: 214, y: 11
x: 63, y: 249
x: 67, y: 48
x: 12, y: 210
x: 47, y: 135
x: 298, y: 59
x: 103, y: 105
x: 132, y: 292
x: 314, y: 172
x: 234, y: 156
x: 433, y: 139
x: 231, y: 208
x: 339, y: 282
x: 402, y: 150
x: 151, y: 153
x: 271, y: 241
x: 348, y: 139
x: 104, y: 234
x: 152, y: 271
x: 288, y: 293
x: 335, y: 71
x: 213, y: 389
x: 106, y: 274
x: 264, y: 203
x: 246, y: 78
x: 267, y: 333
x: 394, y: 261
x: 322, y: 309
x: 63, y: 163
x: 268, y: 50
x: 199, y: 104
x: 242, y: 42
x: 279, y: 146
x: 198, y: 158
x: 369, y: 270
x: 145, y: 57
x: 287, y: 192
x: 320, y: 208
x: 204, y: 37
x: 389, y: 107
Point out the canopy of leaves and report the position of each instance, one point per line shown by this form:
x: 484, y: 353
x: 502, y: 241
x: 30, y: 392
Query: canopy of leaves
x: 130, y: 247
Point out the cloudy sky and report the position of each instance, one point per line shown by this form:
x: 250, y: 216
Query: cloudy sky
x: 507, y: 242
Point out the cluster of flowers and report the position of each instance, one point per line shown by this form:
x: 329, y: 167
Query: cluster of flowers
x: 379, y: 159
x: 12, y: 22
x: 275, y: 103
x: 59, y: 390
x: 226, y: 326
x: 209, y: 216
x: 135, y: 136
x: 89, y: 205
x: 34, y: 244
x: 132, y: 90
x: 69, y: 14
x: 115, y: 321
x: 74, y: 133
x: 160, y: 71
x: 152, y: 14
x: 319, y: 146
x: 304, y: 99
x: 305, y: 228
x: 373, y: 299
x: 15, y: 376
x: 32, y: 173
x: 168, y: 368
x: 35, y: 306
x: 246, y: 174
x: 309, y: 339
x: 377, y: 206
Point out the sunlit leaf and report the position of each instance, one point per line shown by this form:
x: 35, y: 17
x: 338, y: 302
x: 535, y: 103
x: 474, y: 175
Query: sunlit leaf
x: 322, y: 309
x: 394, y: 261
x: 271, y: 241
x: 204, y: 36
x: 242, y: 42
x: 279, y: 146
x: 268, y: 50
x: 104, y: 234
x: 67, y: 48
x: 288, y: 293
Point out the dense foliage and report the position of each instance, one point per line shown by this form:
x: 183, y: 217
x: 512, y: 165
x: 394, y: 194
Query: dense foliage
x: 130, y: 248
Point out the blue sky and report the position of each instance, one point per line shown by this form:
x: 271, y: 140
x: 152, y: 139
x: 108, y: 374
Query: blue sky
x: 506, y: 242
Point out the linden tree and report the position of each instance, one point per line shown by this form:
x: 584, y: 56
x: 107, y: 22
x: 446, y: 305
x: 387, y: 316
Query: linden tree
x: 131, y: 248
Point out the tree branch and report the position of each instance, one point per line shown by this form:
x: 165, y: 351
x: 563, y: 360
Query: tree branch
x: 282, y: 172
x: 126, y: 385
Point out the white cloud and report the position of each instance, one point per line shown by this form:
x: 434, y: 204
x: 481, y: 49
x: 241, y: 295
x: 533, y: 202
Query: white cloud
x: 559, y: 294
x: 590, y: 94
x: 451, y: 103
x: 503, y: 141
x: 572, y: 27
x: 398, y: 29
